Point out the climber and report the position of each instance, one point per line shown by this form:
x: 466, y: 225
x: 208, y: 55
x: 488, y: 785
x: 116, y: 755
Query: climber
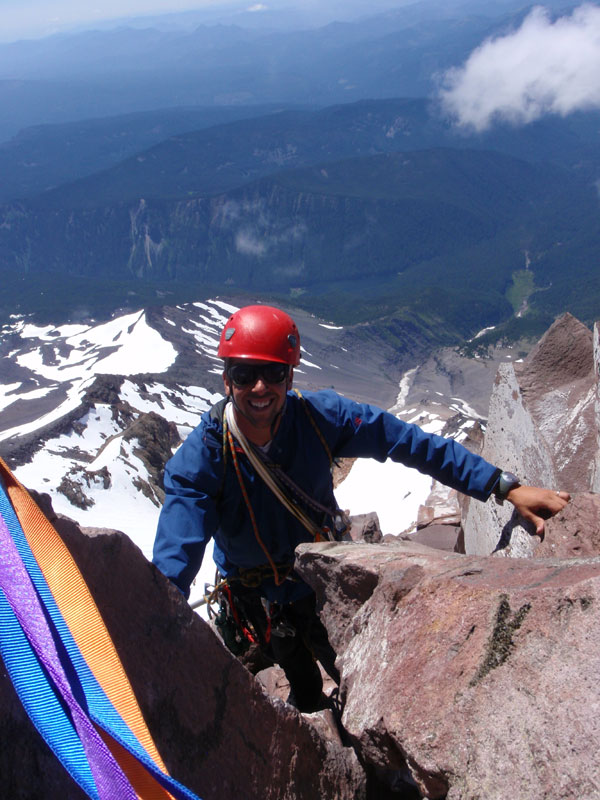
x: 255, y: 475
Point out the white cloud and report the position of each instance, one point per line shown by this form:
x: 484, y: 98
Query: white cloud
x: 249, y: 245
x: 543, y: 67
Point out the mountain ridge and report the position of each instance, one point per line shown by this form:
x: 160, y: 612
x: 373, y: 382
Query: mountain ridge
x: 446, y: 217
x: 44, y: 156
x: 395, y: 54
x: 200, y: 161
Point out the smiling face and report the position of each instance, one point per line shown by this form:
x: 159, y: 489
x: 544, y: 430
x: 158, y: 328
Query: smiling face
x: 258, y: 405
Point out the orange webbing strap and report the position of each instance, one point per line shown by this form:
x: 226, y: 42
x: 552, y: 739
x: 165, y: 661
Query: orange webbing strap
x: 87, y: 627
x: 144, y: 784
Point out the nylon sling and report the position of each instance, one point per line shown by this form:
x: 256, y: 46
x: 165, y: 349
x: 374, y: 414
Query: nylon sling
x: 47, y: 586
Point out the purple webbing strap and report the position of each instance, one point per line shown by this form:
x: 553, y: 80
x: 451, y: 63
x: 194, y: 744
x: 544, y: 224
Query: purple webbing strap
x: 25, y: 603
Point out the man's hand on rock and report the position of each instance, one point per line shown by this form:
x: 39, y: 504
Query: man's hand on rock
x: 536, y: 505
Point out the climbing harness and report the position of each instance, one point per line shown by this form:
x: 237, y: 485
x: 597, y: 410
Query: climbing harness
x: 252, y: 577
x: 237, y: 631
x: 63, y: 663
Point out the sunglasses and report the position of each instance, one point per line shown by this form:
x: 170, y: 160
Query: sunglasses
x: 248, y: 374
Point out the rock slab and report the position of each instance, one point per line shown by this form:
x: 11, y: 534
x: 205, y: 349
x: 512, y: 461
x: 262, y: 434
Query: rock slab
x: 542, y: 426
x: 480, y: 674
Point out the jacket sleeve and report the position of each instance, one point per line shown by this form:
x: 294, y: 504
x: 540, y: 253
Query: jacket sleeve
x: 188, y: 518
x: 360, y: 430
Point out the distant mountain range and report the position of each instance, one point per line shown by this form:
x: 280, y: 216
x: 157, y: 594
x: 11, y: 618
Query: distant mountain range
x: 244, y: 60
x: 42, y: 157
x: 340, y: 210
x: 376, y: 212
x: 183, y: 152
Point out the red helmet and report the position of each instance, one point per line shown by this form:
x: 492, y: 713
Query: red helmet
x: 261, y: 332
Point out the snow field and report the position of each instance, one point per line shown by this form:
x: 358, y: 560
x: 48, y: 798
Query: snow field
x: 123, y: 346
x: 73, y: 399
x: 394, y: 491
x: 193, y: 401
x: 122, y: 507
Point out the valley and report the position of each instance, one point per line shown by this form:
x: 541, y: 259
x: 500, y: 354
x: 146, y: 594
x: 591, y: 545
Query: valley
x: 371, y: 212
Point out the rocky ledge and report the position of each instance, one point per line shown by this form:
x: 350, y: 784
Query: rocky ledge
x: 462, y: 677
x: 478, y: 674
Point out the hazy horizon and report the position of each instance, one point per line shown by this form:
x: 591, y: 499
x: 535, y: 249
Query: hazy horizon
x: 37, y: 19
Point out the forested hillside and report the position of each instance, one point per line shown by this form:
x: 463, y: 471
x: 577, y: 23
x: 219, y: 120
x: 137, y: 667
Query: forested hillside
x: 379, y: 209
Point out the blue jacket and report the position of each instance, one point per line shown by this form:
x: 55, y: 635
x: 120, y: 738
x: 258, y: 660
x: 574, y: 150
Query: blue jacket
x: 203, y: 498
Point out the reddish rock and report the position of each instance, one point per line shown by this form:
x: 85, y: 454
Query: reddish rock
x: 575, y: 533
x: 274, y: 682
x: 364, y: 528
x: 217, y: 730
x: 480, y: 674
x: 441, y: 536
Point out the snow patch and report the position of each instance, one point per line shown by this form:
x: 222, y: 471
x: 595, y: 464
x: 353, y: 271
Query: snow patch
x: 105, y: 349
x: 404, y: 388
x: 183, y: 407
x: 5, y: 399
x: 394, y: 491
x: 73, y: 399
x: 225, y: 306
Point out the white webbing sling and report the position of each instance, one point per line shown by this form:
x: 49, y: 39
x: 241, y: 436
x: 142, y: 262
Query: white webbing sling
x: 262, y: 470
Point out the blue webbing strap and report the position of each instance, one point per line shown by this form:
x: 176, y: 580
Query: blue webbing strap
x: 87, y: 689
x: 46, y: 671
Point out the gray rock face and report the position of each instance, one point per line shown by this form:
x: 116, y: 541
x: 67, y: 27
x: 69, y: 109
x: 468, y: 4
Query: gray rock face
x: 542, y: 426
x: 479, y: 674
x: 217, y: 730
x: 595, y: 487
x: 558, y: 386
